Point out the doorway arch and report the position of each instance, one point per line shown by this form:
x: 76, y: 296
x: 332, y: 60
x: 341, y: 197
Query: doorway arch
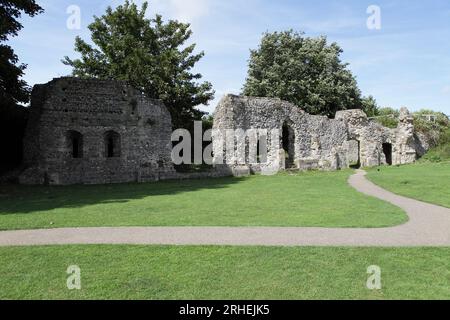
x: 355, y: 154
x: 387, y: 151
x: 288, y: 143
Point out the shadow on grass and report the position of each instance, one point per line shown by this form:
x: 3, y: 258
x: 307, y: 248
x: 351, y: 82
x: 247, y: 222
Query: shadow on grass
x: 28, y: 199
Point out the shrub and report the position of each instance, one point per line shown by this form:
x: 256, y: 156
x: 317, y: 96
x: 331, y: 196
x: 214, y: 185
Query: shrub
x: 434, y: 125
x: 388, y: 117
x: 441, y: 152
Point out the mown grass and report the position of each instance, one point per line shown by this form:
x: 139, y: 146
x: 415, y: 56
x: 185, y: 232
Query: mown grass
x: 169, y: 272
x: 308, y: 200
x: 425, y: 181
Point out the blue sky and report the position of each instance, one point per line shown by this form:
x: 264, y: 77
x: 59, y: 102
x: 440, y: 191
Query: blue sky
x: 405, y: 63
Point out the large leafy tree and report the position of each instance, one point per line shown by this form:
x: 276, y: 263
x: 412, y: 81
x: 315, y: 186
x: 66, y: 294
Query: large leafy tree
x: 13, y: 89
x: 150, y: 55
x: 305, y: 71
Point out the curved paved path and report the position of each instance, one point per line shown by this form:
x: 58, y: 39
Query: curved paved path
x: 429, y: 225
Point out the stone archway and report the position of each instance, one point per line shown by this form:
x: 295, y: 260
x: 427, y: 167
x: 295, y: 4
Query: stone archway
x: 354, y: 154
x: 387, y: 151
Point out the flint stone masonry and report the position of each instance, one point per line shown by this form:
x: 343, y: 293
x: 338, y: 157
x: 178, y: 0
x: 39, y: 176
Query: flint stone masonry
x: 95, y: 132
x: 314, y: 142
x: 88, y: 131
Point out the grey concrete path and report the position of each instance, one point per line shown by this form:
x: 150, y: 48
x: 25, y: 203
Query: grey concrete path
x: 429, y: 225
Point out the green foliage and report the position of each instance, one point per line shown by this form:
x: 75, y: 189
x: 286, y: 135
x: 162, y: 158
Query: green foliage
x: 388, y: 117
x: 12, y: 88
x: 208, y: 122
x: 370, y: 106
x: 440, y: 153
x: 305, y: 71
x: 150, y: 55
x: 10, y: 13
x: 434, y: 125
x: 386, y: 111
x: 445, y: 137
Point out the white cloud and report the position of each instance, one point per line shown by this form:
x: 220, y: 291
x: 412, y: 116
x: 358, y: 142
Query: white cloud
x: 183, y: 10
x: 332, y: 25
x: 189, y: 11
x: 446, y: 90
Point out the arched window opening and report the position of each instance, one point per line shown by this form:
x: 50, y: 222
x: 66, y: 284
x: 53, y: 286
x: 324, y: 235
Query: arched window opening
x: 112, y: 144
x: 262, y: 149
x: 75, y: 144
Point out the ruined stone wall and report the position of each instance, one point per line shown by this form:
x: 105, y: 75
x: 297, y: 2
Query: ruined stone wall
x: 317, y: 142
x: 95, y: 109
x: 368, y: 134
x: 99, y: 114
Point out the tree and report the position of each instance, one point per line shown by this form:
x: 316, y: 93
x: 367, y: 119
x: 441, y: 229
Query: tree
x: 305, y: 71
x: 13, y: 89
x: 150, y: 55
x: 370, y: 106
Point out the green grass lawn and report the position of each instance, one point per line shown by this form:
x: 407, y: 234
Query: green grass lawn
x: 309, y: 199
x: 170, y: 272
x: 429, y: 182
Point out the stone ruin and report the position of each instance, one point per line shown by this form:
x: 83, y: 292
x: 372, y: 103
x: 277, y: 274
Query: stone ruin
x: 87, y: 131
x: 95, y: 132
x: 310, y: 142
